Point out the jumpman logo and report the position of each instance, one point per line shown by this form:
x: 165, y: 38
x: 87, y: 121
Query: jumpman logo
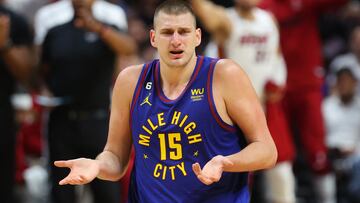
x: 146, y: 100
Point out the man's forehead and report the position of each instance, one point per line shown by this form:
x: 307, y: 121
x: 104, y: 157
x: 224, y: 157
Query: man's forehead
x: 185, y: 20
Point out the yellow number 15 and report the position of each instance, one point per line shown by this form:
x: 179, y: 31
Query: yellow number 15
x: 175, y: 149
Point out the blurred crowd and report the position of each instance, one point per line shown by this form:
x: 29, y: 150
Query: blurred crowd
x: 59, y: 60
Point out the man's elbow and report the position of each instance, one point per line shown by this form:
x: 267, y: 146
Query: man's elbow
x: 272, y: 159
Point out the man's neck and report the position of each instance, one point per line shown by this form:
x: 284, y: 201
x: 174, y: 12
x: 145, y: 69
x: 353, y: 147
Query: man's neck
x: 175, y: 79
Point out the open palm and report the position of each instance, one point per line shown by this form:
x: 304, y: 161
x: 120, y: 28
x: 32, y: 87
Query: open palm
x: 82, y: 171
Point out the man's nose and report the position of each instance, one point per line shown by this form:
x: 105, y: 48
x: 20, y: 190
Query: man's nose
x: 176, y: 39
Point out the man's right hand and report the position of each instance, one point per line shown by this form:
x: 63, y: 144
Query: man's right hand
x: 82, y: 171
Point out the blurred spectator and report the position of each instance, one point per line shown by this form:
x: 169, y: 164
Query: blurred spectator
x: 79, y: 41
x: 342, y: 118
x: 31, y: 173
x: 301, y: 46
x: 350, y: 60
x: 15, y: 65
x: 335, y: 28
x: 27, y: 8
x: 250, y: 36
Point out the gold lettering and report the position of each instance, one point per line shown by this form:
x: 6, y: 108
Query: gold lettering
x: 144, y: 140
x: 194, y: 138
x: 183, y: 121
x: 175, y: 118
x: 152, y: 125
x: 164, y: 173
x: 190, y: 127
x: 157, y: 167
x: 147, y: 130
x: 182, y: 168
x: 172, y: 172
x: 161, y: 119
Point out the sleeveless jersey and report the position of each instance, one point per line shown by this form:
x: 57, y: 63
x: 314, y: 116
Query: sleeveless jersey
x: 170, y: 135
x: 254, y: 45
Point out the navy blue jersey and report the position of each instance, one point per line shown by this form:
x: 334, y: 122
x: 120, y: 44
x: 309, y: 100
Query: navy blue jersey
x: 170, y: 135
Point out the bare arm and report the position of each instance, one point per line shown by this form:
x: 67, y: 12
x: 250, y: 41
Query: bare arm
x: 114, y: 160
x: 112, y: 163
x: 121, y: 43
x: 214, y: 19
x: 245, y: 110
x: 237, y: 102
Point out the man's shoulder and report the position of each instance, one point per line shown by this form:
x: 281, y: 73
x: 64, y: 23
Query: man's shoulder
x: 110, y: 13
x: 227, y: 66
x: 131, y: 73
x: 53, y: 14
x: 52, y: 9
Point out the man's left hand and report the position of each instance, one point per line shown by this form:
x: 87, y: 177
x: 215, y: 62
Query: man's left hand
x: 212, y: 171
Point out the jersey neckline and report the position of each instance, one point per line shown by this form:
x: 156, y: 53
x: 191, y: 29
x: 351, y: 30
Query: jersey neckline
x: 159, y: 90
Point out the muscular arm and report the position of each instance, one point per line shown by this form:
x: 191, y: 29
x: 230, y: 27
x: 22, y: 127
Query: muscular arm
x: 237, y: 103
x: 115, y: 157
x: 245, y: 110
x: 120, y: 43
x: 214, y: 19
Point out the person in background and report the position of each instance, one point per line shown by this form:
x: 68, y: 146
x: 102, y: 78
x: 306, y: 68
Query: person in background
x: 304, y: 62
x: 249, y: 36
x: 341, y: 113
x: 350, y: 60
x: 79, y: 41
x: 196, y: 135
x: 15, y: 67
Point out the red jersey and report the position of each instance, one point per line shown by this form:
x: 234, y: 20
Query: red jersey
x: 299, y: 38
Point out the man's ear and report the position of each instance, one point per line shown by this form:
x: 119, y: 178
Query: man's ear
x: 152, y: 38
x: 198, y: 36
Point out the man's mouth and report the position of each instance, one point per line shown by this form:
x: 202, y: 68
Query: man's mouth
x: 176, y: 52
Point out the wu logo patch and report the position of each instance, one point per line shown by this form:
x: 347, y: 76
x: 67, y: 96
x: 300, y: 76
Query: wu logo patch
x: 146, y: 100
x: 197, y: 94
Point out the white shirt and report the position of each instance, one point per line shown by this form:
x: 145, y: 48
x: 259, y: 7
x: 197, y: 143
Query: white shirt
x: 342, y: 123
x: 254, y: 45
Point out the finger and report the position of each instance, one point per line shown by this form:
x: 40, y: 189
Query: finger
x: 65, y: 181
x: 62, y: 164
x: 76, y: 181
x: 205, y: 180
x: 196, y: 168
x: 214, y: 178
x: 72, y: 180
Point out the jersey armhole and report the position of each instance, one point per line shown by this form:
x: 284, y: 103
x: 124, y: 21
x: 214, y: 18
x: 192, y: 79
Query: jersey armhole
x: 137, y: 91
x: 211, y: 100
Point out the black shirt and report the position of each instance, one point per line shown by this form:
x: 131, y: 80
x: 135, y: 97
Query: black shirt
x: 20, y: 34
x: 80, y: 66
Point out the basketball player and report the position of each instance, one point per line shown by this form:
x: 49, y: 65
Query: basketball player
x: 196, y: 135
x: 250, y: 36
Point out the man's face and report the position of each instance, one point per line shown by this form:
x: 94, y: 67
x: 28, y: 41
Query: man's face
x: 85, y: 4
x: 175, y: 38
x: 346, y: 85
